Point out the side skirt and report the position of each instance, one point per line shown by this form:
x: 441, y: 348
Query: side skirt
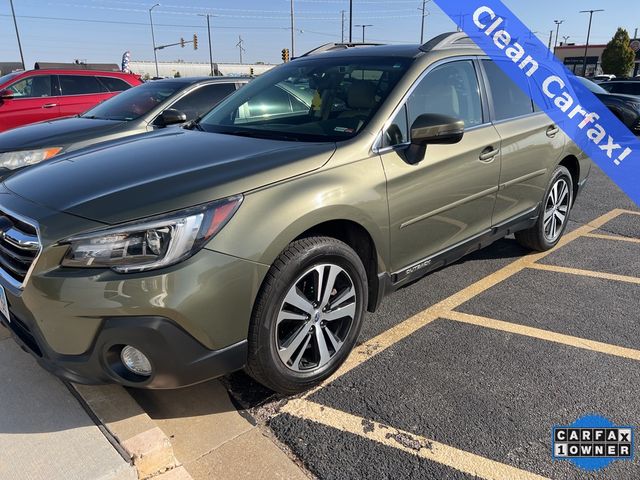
x: 392, y: 282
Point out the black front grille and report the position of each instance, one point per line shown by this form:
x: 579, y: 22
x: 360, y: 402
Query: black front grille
x: 19, y: 246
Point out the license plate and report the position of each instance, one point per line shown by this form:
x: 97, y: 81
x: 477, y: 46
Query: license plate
x: 4, y: 306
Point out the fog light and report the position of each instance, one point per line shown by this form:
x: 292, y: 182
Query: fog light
x: 136, y: 361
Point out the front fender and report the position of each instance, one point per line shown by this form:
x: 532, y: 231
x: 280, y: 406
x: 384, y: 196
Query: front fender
x: 270, y: 218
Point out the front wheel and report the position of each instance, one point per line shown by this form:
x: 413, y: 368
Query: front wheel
x: 554, y: 215
x: 308, y: 314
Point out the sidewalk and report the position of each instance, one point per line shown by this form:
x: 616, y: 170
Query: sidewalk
x: 44, y: 432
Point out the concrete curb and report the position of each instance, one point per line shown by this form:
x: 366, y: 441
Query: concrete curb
x: 147, y: 447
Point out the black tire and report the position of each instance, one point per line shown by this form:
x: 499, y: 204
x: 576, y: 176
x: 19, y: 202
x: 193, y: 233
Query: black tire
x: 536, y: 237
x: 264, y: 362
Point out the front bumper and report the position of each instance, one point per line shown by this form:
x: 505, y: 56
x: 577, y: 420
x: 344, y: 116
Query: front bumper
x: 176, y: 357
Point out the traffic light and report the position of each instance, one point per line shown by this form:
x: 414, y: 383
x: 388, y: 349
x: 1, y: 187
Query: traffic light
x: 285, y: 54
x: 181, y: 42
x: 195, y: 41
x: 251, y: 71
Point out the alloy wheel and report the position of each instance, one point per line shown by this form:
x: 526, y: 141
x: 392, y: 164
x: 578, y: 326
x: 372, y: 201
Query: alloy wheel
x: 556, y: 210
x: 315, y: 318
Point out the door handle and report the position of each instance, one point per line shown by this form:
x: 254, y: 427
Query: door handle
x: 49, y: 105
x: 488, y: 154
x: 552, y: 131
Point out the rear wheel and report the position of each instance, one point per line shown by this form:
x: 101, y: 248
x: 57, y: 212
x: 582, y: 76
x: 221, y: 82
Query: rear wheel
x: 308, y: 314
x: 554, y: 215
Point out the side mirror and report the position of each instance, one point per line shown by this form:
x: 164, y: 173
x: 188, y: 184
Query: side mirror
x: 6, y: 94
x: 171, y: 116
x: 434, y: 128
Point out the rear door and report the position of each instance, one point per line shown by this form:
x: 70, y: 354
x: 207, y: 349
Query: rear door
x: 531, y: 145
x: 80, y: 93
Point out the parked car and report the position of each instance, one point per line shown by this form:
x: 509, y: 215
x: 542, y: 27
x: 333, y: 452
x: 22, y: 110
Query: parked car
x: 259, y: 238
x: 37, y: 95
x: 625, y: 107
x: 602, y: 78
x: 629, y: 86
x: 148, y: 107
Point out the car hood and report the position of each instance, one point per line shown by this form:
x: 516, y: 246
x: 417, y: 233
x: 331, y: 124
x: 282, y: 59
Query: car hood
x: 55, y: 133
x: 161, y: 172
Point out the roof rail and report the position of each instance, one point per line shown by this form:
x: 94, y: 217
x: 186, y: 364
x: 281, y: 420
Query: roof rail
x: 447, y: 40
x: 105, y: 67
x: 328, y: 47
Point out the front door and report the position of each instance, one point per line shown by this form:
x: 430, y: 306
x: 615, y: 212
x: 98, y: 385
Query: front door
x: 449, y: 196
x: 34, y: 100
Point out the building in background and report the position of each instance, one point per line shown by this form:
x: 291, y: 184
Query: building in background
x: 193, y: 69
x: 572, y: 56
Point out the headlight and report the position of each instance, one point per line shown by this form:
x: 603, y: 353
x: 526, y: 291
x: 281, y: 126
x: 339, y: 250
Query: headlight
x: 23, y: 158
x: 152, y: 243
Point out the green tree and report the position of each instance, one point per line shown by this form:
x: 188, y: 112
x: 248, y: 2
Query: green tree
x: 618, y: 57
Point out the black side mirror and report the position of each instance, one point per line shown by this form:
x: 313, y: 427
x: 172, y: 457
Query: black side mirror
x: 434, y: 128
x: 171, y: 116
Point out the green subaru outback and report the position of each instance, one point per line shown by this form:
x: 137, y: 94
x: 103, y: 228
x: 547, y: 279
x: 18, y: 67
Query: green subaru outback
x: 258, y: 237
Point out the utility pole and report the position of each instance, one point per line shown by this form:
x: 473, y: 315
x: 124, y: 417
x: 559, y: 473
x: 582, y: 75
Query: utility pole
x: 15, y: 24
x: 550, y: 39
x: 293, y: 32
x: 240, y: 47
x: 424, y: 14
x: 558, y: 23
x: 363, y: 27
x: 209, y: 32
x: 586, y: 47
x: 153, y: 38
x: 350, y: 21
x: 635, y: 35
x: 342, y: 26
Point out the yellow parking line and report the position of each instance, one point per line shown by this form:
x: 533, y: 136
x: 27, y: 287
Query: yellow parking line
x: 585, y: 273
x: 632, y: 212
x: 543, y: 335
x: 372, y: 347
x: 417, y: 445
x: 613, y: 237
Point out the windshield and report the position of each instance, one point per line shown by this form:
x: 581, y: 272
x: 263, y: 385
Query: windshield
x: 8, y: 76
x: 319, y: 99
x: 135, y: 102
x: 593, y: 87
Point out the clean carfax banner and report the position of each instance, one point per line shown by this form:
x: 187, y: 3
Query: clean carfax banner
x: 556, y: 91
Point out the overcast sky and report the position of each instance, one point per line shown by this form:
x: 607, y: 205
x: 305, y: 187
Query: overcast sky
x: 101, y: 30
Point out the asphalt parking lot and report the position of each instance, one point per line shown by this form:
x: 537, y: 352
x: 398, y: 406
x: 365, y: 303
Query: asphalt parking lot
x: 464, y: 373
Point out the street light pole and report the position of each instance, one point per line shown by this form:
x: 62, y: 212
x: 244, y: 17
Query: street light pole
x: 350, y: 21
x: 424, y: 2
x: 153, y: 39
x: 586, y: 47
x: 342, y: 26
x: 363, y: 27
x: 293, y: 32
x: 209, y: 32
x: 15, y: 24
x: 558, y: 23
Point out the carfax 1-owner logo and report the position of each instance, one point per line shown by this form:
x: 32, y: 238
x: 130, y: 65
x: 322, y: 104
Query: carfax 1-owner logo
x: 593, y: 442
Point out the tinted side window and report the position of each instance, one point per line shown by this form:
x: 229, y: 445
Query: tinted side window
x: 80, y: 85
x: 203, y: 99
x: 508, y: 100
x: 629, y: 88
x: 114, y: 84
x: 32, y: 87
x: 450, y: 89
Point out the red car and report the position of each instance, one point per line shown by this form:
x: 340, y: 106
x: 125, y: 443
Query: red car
x: 37, y: 95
